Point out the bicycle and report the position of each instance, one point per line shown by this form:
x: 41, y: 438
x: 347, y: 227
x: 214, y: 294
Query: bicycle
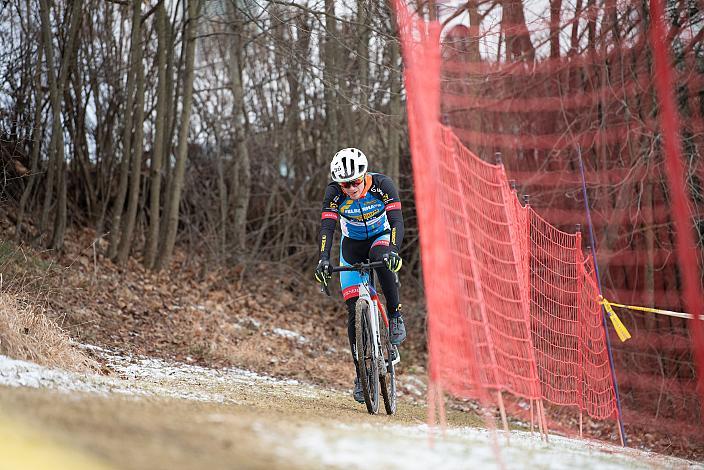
x: 376, y: 356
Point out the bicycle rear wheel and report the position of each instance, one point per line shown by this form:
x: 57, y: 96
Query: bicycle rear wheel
x: 387, y: 372
x: 367, y: 363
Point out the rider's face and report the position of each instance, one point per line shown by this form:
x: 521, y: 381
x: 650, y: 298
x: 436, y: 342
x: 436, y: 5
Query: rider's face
x: 354, y: 189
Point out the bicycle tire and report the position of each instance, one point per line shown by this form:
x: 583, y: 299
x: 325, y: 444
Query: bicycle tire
x: 387, y: 374
x: 367, y: 363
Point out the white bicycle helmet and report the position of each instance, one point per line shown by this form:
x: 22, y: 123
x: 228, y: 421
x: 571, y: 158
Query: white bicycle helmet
x: 347, y: 165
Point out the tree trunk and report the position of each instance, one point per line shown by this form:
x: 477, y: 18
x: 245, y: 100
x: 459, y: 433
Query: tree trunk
x: 432, y: 10
x: 574, y: 35
x: 82, y: 157
x: 159, y: 143
x: 591, y: 24
x: 36, y: 145
x: 241, y: 179
x: 106, y: 115
x: 135, y: 57
x: 136, y: 170
x: 395, y: 111
x: 518, y: 43
x: 222, y: 196
x: 363, y: 74
x: 55, y: 115
x: 609, y: 22
x: 555, y: 10
x: 57, y: 164
x: 171, y: 112
x: 475, y: 34
x: 70, y: 48
x: 329, y: 81
x: 167, y: 249
x: 60, y: 220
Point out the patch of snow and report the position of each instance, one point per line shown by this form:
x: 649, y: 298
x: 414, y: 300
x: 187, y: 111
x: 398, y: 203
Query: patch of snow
x: 143, y: 376
x: 15, y: 373
x: 410, y: 447
x: 90, y: 347
x: 290, y: 334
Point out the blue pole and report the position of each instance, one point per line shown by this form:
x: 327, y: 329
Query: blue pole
x: 598, y: 279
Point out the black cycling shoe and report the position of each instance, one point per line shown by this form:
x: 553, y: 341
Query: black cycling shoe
x: 358, y: 394
x: 393, y: 353
x: 397, y: 330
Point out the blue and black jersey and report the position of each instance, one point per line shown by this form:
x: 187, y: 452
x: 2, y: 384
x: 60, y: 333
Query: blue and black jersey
x: 376, y: 212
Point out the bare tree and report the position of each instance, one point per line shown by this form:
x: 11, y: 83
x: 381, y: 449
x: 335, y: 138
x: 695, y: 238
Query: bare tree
x: 395, y: 111
x: 136, y: 167
x: 518, y: 41
x: 135, y: 60
x: 38, y: 131
x: 240, y: 185
x: 166, y: 251
x: 330, y: 78
x: 159, y: 147
x: 57, y: 164
x: 555, y: 10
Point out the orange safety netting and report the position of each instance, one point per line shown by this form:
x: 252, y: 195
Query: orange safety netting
x: 512, y: 301
x: 511, y: 287
x: 528, y: 298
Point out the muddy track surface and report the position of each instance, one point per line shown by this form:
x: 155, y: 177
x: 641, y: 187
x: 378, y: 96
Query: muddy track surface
x: 148, y: 413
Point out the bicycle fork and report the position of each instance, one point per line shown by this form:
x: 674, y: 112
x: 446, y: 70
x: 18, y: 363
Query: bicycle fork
x: 365, y: 295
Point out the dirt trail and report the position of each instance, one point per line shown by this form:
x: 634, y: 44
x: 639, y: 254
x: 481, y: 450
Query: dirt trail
x: 151, y: 414
x: 175, y: 434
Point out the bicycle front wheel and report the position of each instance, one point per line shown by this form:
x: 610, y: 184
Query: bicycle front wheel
x: 366, y: 359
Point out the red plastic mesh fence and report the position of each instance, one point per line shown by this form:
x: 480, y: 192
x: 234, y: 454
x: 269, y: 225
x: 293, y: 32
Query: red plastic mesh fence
x: 528, y: 301
x: 566, y: 322
x: 517, y: 305
x: 511, y: 315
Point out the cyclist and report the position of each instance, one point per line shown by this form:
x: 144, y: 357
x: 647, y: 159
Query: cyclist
x: 369, y: 210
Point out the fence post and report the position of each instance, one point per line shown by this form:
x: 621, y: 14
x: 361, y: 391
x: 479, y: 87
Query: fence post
x: 580, y: 321
x: 622, y: 432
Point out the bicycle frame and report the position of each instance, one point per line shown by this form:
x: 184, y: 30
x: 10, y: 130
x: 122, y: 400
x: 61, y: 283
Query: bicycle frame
x: 367, y: 293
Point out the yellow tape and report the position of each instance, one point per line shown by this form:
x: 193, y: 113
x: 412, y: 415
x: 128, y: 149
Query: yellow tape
x: 620, y: 328
x: 657, y: 311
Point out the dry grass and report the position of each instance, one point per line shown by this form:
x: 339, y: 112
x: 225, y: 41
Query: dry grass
x: 27, y: 333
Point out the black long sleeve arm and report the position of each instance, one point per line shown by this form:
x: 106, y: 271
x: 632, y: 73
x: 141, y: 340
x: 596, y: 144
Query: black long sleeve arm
x: 325, y: 234
x: 392, y: 202
x: 396, y: 222
x: 329, y: 219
